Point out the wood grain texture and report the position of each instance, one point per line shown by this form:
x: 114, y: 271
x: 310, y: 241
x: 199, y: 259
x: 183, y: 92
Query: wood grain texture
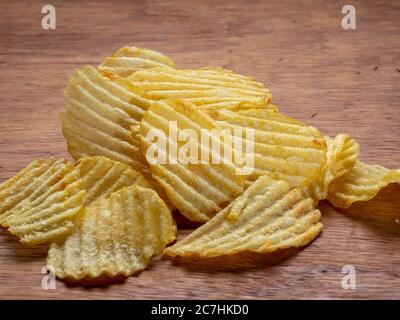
x: 337, y: 80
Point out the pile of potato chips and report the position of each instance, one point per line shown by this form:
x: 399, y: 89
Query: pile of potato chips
x: 109, y: 212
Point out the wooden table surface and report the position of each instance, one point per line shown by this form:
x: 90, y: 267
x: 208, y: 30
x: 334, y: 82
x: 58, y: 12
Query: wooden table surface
x: 338, y: 80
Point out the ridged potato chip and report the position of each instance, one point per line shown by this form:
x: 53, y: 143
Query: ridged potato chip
x: 102, y: 176
x: 284, y: 148
x: 342, y: 154
x: 48, y: 194
x: 361, y: 183
x: 41, y: 202
x: 207, y: 88
x: 197, y: 190
x: 127, y: 60
x: 98, y: 115
x: 268, y: 216
x: 114, y: 236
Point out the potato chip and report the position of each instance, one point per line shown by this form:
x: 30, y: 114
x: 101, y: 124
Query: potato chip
x: 342, y: 154
x: 42, y: 202
x: 114, y: 236
x: 197, y: 190
x: 98, y: 116
x: 207, y: 88
x: 30, y: 183
x: 127, y: 60
x: 45, y: 191
x: 102, y: 176
x: 268, y: 216
x: 361, y: 183
x: 284, y: 148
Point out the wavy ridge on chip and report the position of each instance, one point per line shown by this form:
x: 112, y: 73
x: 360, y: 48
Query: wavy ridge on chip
x: 197, y: 190
x: 98, y: 115
x: 114, y: 236
x: 342, y: 154
x: 284, y: 148
x: 30, y: 184
x: 42, y: 201
x: 128, y: 60
x: 41, y: 192
x: 207, y: 88
x: 268, y: 216
x: 361, y: 183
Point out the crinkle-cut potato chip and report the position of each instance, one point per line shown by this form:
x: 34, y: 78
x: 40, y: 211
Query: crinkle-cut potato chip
x: 342, y: 154
x: 114, y: 236
x: 284, y: 148
x: 268, y: 216
x: 45, y: 197
x: 127, y: 60
x: 208, y: 88
x: 361, y: 183
x: 98, y: 115
x: 41, y: 202
x: 102, y: 176
x: 197, y: 190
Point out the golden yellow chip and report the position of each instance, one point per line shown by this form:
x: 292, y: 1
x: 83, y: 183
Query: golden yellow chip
x: 361, y: 183
x: 10, y: 190
x: 42, y: 201
x: 342, y: 154
x: 268, y: 216
x: 284, y: 148
x: 127, y: 60
x: 98, y: 115
x: 208, y: 88
x: 46, y: 192
x: 198, y: 190
x: 114, y: 236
